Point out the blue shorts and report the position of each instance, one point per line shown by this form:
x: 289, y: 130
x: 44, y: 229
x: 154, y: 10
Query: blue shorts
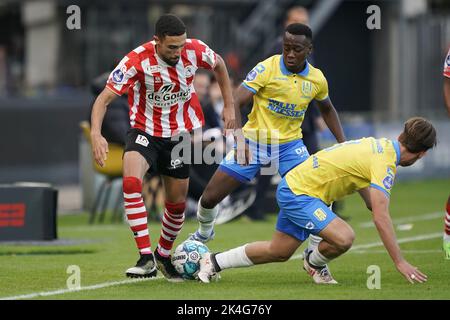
x: 281, y: 157
x: 301, y: 215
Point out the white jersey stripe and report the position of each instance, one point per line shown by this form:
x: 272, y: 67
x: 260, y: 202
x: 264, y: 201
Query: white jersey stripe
x: 165, y: 112
x: 192, y: 57
x: 195, y: 121
x: 139, y: 49
x: 134, y: 108
x: 149, y: 127
x: 183, y: 87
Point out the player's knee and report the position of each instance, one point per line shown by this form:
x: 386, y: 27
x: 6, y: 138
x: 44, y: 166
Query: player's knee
x: 345, y: 242
x: 131, y: 185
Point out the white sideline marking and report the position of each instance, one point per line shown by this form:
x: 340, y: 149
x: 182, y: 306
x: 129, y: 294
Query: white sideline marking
x: 423, y: 217
x: 403, y: 251
x: 116, y: 283
x: 379, y: 243
x: 93, y: 287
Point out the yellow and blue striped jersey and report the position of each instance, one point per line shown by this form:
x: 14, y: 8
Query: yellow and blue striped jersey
x: 339, y: 170
x: 281, y: 98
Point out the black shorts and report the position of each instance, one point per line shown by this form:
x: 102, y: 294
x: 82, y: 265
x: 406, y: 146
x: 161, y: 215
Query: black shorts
x: 157, y: 151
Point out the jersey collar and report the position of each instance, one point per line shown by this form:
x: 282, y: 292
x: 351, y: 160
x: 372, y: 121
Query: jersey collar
x: 286, y: 72
x: 397, y: 151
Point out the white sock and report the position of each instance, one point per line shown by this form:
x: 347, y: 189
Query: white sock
x: 206, y: 219
x: 234, y: 258
x: 317, y: 259
x: 313, y: 242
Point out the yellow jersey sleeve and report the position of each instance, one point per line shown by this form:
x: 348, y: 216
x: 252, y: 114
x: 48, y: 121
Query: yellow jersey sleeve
x: 323, y: 88
x: 257, y: 78
x: 382, y: 176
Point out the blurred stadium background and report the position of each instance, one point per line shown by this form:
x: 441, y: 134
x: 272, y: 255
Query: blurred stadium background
x: 377, y: 78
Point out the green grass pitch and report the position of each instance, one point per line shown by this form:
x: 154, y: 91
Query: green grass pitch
x: 105, y: 251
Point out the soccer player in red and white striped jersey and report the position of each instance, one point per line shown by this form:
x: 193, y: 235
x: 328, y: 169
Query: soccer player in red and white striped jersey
x: 447, y: 104
x: 158, y: 78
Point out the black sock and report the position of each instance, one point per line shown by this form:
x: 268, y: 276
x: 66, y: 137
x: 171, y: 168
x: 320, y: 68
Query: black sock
x: 214, y: 262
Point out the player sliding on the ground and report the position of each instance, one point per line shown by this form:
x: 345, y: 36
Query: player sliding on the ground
x: 368, y: 165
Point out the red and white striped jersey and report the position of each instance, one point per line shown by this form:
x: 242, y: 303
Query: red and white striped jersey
x: 447, y: 65
x: 161, y: 97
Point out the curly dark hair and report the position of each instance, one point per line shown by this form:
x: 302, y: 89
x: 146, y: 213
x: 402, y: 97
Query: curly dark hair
x: 169, y: 25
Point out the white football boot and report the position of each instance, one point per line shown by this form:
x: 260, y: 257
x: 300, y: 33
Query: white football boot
x: 207, y: 271
x: 319, y: 275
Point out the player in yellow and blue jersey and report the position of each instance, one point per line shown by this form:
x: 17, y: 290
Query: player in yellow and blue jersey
x: 281, y: 87
x: 367, y: 165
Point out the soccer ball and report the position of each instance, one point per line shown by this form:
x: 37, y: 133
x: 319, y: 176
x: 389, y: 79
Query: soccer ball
x: 186, y: 258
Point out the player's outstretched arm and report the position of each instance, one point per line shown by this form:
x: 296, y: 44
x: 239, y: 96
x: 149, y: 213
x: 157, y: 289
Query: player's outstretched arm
x: 331, y: 118
x: 228, y: 114
x: 383, y: 223
x: 99, y: 143
x: 447, y: 94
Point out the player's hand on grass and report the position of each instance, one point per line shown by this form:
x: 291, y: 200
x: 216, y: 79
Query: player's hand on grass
x: 411, y: 273
x: 229, y: 120
x: 242, y: 154
x: 99, y: 149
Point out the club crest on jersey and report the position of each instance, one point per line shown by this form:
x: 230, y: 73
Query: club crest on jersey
x: 320, y: 214
x: 447, y: 61
x: 306, y: 88
x: 189, y: 71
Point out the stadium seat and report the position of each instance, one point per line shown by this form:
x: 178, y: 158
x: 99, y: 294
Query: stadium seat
x: 112, y: 170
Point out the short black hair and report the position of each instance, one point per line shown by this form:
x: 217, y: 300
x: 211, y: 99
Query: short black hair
x: 299, y: 29
x: 169, y: 25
